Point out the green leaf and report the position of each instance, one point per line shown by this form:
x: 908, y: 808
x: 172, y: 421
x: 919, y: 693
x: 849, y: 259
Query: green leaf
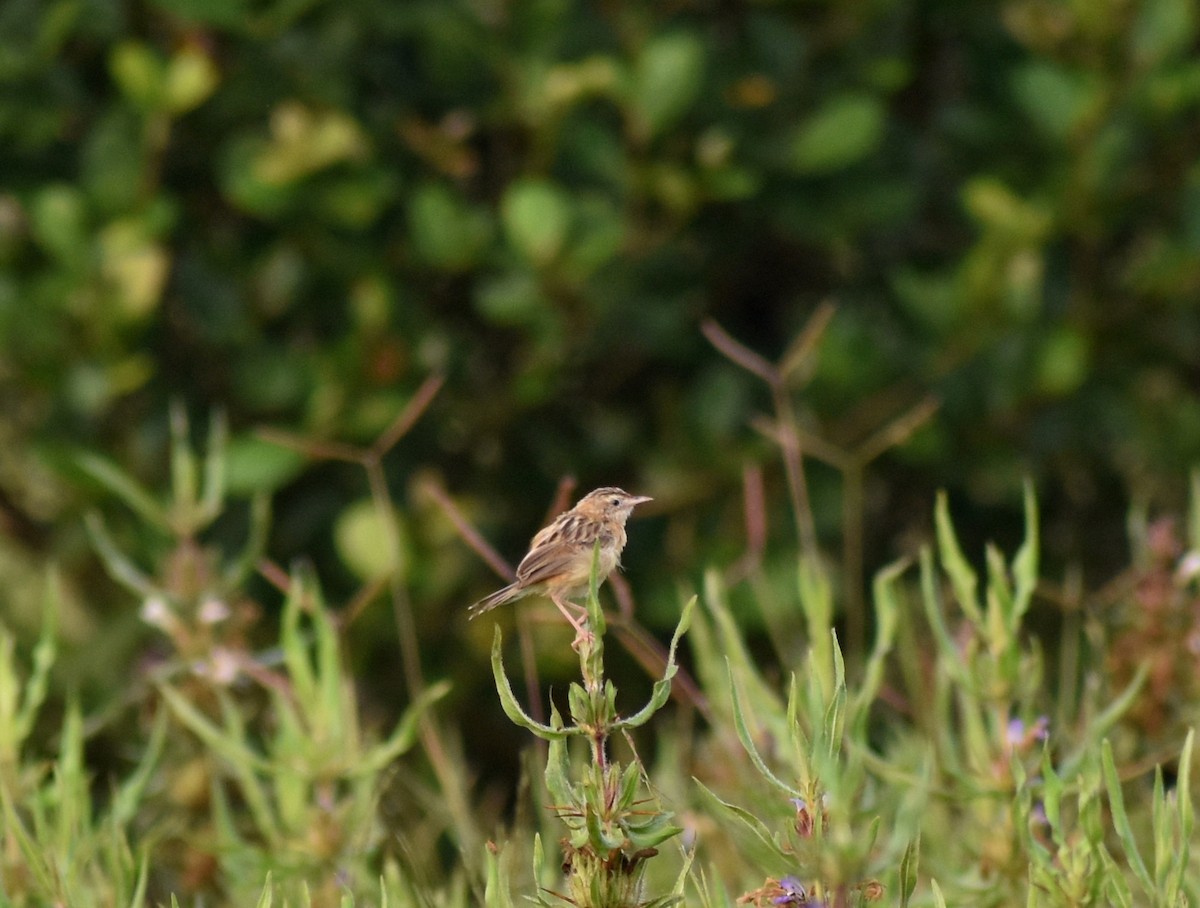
x: 1052, y: 792
x: 512, y: 709
x: 405, y: 734
x: 1055, y: 98
x: 125, y: 487
x: 34, y: 854
x: 730, y: 645
x: 908, y: 870
x: 536, y: 215
x: 1163, y: 29
x: 127, y: 798
x: 1063, y: 362
x: 654, y: 832
x: 667, y: 79
x: 998, y: 209
x: 662, y: 687
x: 138, y: 899
x: 629, y: 786
x: 446, y: 231
x: 264, y: 900
x: 362, y: 538
x: 764, y: 841
x: 846, y: 129
x: 213, y: 485
x: 597, y: 236
x: 496, y: 887
x: 247, y: 560
x: 513, y: 298
x: 1120, y: 819
x: 293, y: 643
x: 948, y: 652
x: 816, y: 602
x: 139, y: 73
x: 954, y: 563
x: 1100, y: 724
x: 558, y: 766
x: 938, y: 899
x: 190, y: 78
x: 601, y: 836
x: 118, y: 565
x: 1025, y: 563
x: 225, y: 743
x: 58, y: 218
x: 1185, y: 813
x: 887, y: 612
x: 743, y: 733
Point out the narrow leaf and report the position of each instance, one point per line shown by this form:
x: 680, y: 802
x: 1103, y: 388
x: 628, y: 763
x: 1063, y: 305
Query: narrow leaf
x: 1116, y: 801
x: 743, y: 733
x: 508, y: 700
x: 125, y: 487
x: 954, y: 563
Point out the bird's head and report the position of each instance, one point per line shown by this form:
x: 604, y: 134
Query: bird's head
x: 611, y: 503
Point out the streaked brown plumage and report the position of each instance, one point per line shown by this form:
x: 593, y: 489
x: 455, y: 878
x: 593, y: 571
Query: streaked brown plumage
x: 559, y: 562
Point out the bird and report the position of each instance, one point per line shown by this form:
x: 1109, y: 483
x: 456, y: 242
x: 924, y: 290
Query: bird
x: 559, y: 562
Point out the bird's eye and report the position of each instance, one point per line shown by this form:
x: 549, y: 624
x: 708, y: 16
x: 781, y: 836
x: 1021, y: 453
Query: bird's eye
x: 615, y: 502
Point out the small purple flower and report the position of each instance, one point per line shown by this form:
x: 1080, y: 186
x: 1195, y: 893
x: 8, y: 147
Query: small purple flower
x: 791, y: 892
x: 1020, y: 736
x: 1016, y: 732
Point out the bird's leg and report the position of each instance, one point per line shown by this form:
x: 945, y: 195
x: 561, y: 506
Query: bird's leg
x: 577, y: 620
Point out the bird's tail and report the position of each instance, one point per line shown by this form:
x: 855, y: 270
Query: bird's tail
x: 500, y: 597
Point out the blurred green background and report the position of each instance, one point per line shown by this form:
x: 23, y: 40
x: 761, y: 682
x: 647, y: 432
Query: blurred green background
x: 295, y: 212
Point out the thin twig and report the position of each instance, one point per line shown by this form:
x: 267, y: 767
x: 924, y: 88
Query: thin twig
x: 738, y: 352
x: 755, y: 510
x: 364, y: 597
x: 314, y: 450
x: 415, y: 409
x: 820, y: 449
x: 802, y: 349
x: 471, y: 536
x: 898, y: 431
x: 793, y: 467
x: 755, y: 513
x: 563, y: 496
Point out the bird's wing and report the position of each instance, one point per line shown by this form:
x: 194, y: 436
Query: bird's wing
x: 545, y: 563
x: 556, y: 548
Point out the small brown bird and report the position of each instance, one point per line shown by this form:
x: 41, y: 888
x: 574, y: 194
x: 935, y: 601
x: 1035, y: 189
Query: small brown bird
x: 559, y: 562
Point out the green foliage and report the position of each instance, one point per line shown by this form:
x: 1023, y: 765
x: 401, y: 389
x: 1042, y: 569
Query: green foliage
x: 315, y: 218
x: 296, y: 211
x: 928, y: 770
x: 611, y: 831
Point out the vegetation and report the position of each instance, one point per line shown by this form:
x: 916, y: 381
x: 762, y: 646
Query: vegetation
x: 306, y: 308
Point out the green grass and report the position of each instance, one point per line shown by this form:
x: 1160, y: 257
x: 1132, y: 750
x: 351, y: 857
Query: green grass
x: 958, y: 759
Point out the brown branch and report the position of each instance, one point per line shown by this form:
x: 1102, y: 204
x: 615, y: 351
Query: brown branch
x: 314, y: 450
x: 801, y: 351
x: 755, y: 511
x: 417, y: 405
x: 897, y: 431
x: 471, y: 536
x: 738, y: 352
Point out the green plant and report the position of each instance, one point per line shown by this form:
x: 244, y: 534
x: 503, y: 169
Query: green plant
x: 59, y: 843
x: 611, y: 830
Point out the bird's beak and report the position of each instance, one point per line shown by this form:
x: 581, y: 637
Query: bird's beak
x: 639, y: 499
